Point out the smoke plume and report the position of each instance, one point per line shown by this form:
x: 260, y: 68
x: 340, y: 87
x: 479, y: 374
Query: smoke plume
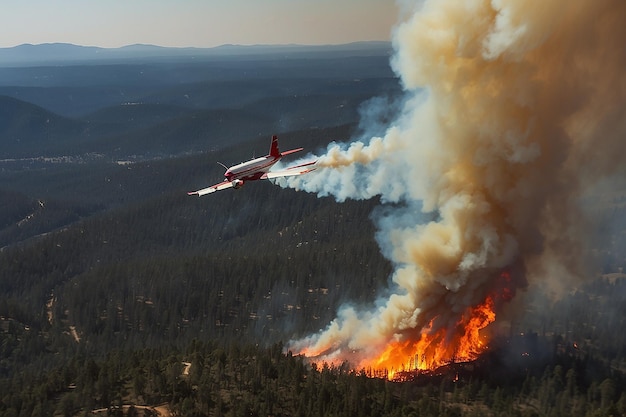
x: 513, y: 109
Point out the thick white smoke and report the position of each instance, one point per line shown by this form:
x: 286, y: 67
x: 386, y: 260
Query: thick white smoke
x: 513, y: 108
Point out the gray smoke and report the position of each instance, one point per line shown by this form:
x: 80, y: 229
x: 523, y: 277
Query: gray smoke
x: 513, y: 109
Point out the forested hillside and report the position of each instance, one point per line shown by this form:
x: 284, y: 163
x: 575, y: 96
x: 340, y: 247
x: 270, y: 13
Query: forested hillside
x: 122, y: 295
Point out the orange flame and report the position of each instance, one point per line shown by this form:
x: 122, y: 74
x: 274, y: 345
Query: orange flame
x: 432, y: 347
x: 438, y: 348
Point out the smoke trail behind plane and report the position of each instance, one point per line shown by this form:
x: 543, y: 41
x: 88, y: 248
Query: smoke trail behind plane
x: 513, y: 109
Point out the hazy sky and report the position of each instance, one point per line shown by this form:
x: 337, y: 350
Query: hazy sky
x: 202, y: 23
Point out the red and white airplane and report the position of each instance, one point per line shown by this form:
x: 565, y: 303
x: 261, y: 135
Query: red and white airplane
x: 257, y: 169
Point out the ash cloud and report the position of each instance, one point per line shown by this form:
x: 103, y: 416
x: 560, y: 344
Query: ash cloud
x: 512, y: 110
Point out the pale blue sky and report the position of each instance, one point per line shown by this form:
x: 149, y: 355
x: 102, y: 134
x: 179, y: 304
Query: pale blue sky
x: 200, y: 23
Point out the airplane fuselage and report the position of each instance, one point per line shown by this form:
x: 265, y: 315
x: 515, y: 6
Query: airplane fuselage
x: 251, y: 170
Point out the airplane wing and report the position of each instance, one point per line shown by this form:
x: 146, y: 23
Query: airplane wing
x: 291, y: 171
x: 217, y: 187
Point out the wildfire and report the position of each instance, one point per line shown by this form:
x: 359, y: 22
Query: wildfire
x: 437, y: 348
x: 421, y: 349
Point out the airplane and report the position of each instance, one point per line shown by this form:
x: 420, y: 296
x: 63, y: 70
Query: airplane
x: 257, y: 169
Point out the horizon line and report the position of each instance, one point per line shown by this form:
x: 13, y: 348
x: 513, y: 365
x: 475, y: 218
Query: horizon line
x: 26, y: 44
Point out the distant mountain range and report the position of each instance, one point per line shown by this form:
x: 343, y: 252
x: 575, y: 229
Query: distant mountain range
x: 54, y: 53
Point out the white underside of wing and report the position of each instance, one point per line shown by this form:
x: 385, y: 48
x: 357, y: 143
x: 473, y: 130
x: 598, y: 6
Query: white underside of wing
x: 291, y: 171
x: 217, y: 187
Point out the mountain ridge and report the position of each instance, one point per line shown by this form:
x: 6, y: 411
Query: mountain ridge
x: 49, y: 53
x: 25, y: 126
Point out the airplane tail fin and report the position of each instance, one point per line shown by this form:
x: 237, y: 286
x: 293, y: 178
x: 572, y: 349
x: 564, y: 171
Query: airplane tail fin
x: 274, y: 151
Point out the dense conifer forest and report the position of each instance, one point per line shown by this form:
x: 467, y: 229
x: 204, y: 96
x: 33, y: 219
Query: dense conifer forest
x: 120, y: 295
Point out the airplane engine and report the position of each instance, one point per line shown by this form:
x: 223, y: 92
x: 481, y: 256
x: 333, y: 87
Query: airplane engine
x: 237, y: 184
